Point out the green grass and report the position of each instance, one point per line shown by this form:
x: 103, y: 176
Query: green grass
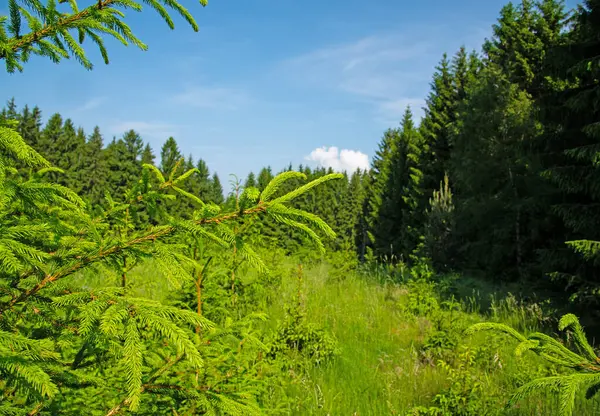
x: 391, y: 338
x: 375, y: 371
x: 381, y: 368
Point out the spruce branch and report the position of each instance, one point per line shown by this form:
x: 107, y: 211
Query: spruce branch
x: 585, y: 363
x: 281, y: 213
x: 50, y: 29
x: 127, y: 401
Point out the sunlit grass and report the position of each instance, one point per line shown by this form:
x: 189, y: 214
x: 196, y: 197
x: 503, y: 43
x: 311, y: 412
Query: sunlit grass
x: 381, y: 368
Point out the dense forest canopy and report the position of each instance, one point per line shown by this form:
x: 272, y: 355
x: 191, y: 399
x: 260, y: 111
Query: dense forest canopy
x: 130, y: 283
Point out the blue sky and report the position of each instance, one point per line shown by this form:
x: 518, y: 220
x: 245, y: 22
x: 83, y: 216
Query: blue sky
x: 264, y: 82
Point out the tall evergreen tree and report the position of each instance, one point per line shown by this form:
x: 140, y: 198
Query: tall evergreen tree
x: 133, y: 145
x: 120, y: 169
x: 79, y: 162
x: 169, y: 156
x: 204, y: 179
x: 435, y: 128
x: 30, y: 125
x: 398, y: 224
x: 378, y: 177
x: 493, y: 174
x: 522, y: 37
x: 571, y: 144
x: 11, y: 111
x: 51, y: 133
x: 250, y: 181
x: 264, y: 177
x: 66, y: 148
x: 350, y: 209
x: 94, y: 173
x: 216, y: 190
x: 148, y: 156
x: 439, y: 246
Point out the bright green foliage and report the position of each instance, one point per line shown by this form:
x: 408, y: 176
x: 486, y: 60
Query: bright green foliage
x: 296, y: 335
x: 60, y: 342
x: 45, y: 30
x: 129, y: 286
x: 584, y: 362
x: 36, y: 267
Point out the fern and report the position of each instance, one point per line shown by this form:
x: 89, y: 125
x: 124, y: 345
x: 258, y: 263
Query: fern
x: 583, y: 364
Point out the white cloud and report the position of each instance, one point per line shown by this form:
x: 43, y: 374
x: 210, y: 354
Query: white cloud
x: 381, y: 70
x: 387, y: 71
x: 90, y: 104
x: 344, y: 160
x: 374, y: 66
x: 217, y: 98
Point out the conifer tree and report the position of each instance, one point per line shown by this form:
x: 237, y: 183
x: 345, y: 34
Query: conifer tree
x: 50, y: 136
x: 350, y: 209
x: 264, y: 177
x: 570, y: 146
x: 204, y: 179
x: 436, y: 127
x: 378, y: 177
x: 30, y: 125
x: 464, y: 69
x: 11, y: 110
x: 133, y: 145
x: 59, y: 340
x: 216, y: 190
x: 79, y: 162
x: 148, y: 155
x: 327, y: 203
x: 170, y: 155
x: 123, y: 161
x: 251, y: 181
x: 522, y: 37
x: 439, y: 246
x: 492, y: 174
x: 66, y: 149
x: 506, y: 143
x: 51, y: 32
x: 398, y: 224
x: 94, y: 174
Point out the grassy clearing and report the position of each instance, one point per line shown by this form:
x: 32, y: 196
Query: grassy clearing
x: 395, y: 340
x: 401, y: 348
